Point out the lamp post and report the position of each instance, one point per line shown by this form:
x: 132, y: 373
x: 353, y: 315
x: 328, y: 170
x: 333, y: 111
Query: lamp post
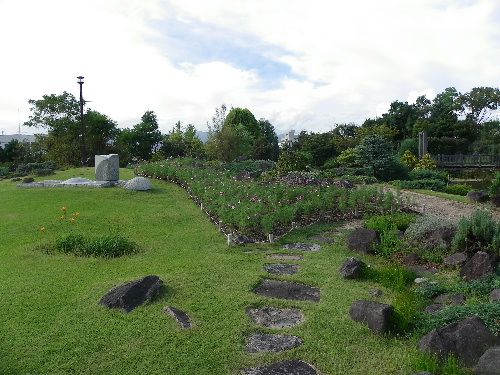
x: 82, y: 127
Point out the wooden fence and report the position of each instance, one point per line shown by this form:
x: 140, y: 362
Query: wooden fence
x: 467, y: 161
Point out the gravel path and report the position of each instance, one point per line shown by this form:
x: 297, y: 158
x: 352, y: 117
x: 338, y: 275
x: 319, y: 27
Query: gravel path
x: 452, y: 210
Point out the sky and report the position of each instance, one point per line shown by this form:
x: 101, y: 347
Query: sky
x: 303, y: 65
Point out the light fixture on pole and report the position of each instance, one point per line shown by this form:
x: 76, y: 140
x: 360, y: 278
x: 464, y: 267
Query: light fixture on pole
x: 82, y: 127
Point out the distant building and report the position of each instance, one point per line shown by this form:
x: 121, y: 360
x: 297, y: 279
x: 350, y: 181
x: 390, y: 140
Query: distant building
x: 289, y: 138
x: 6, y: 138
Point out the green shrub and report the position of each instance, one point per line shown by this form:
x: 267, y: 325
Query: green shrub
x: 106, y: 246
x: 351, y: 171
x: 478, y: 232
x: 395, y: 277
x: 431, y: 290
x: 428, y: 174
x: 488, y: 312
x: 458, y: 189
x: 427, y: 162
x: 4, y: 171
x: 291, y: 161
x: 407, y: 307
x: 436, y: 185
x: 419, y: 232
x: 495, y: 186
x: 409, y: 159
x: 431, y: 363
x: 347, y: 158
x: 400, y: 220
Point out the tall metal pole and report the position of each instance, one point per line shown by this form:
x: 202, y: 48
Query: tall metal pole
x: 82, y: 127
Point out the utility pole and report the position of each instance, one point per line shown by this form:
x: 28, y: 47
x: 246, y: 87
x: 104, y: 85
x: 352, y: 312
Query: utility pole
x: 82, y: 127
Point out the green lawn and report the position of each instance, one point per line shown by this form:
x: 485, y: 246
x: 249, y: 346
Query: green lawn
x: 51, y: 323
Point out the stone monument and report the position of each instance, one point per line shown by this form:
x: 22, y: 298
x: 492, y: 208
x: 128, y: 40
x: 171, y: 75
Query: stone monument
x: 107, y: 167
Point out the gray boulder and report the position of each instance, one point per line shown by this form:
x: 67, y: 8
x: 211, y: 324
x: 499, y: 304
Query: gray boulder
x: 479, y: 265
x: 107, y: 167
x: 138, y: 184
x: 352, y: 268
x: 489, y: 363
x: 289, y: 367
x: 495, y: 295
x: 478, y: 196
x: 363, y: 240
x: 456, y: 259
x: 376, y: 315
x: 467, y: 340
x: 265, y: 342
x: 450, y: 299
x: 130, y: 295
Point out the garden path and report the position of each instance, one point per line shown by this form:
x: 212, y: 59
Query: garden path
x: 449, y: 209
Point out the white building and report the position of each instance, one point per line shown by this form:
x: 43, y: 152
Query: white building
x: 289, y: 138
x: 6, y: 138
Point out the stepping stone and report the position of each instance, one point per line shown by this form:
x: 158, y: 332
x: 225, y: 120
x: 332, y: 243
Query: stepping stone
x: 180, y: 316
x: 291, y: 367
x: 285, y: 257
x: 302, y: 246
x: 272, y: 317
x: 264, y: 342
x: 282, y: 268
x: 287, y: 290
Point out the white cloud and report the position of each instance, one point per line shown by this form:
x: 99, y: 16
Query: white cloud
x: 350, y: 59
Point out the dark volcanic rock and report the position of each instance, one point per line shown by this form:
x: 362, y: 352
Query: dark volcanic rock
x: 450, y: 299
x: 282, y: 268
x: 489, y: 363
x: 352, y: 268
x: 467, y: 340
x: 287, y: 290
x: 291, y: 367
x: 285, y: 257
x: 243, y: 239
x: 180, y: 316
x: 362, y: 240
x: 434, y: 308
x: 495, y: 200
x: 480, y: 264
x: 263, y: 342
x: 456, y: 259
x: 376, y: 315
x: 28, y: 180
x: 302, y: 246
x: 273, y: 317
x: 495, y: 295
x: 133, y: 294
x: 478, y: 196
x: 411, y: 259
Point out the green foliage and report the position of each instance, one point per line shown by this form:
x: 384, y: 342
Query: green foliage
x: 376, y: 151
x: 428, y: 174
x: 349, y: 171
x: 488, y: 312
x: 182, y: 141
x: 290, y: 161
x: 434, y: 365
x: 407, y: 306
x: 478, y: 232
x: 347, y: 158
x: 243, y: 117
x: 409, y: 159
x: 106, y: 246
x: 408, y: 144
x: 319, y: 145
x: 399, y: 220
x: 457, y: 189
x: 395, y: 276
x: 427, y: 162
x: 431, y: 184
x: 266, y: 145
x: 365, y: 180
x: 495, y: 186
x: 40, y: 169
x: 418, y: 233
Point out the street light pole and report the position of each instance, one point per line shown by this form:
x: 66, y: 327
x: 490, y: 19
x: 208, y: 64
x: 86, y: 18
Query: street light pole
x: 82, y: 127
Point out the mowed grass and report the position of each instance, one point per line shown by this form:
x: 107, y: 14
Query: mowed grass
x: 51, y: 322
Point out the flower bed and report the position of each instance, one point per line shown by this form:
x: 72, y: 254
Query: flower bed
x: 261, y: 205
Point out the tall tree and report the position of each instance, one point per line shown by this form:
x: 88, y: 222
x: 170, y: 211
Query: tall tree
x: 480, y: 103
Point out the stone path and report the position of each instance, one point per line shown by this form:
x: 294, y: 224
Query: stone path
x: 282, y: 268
x: 278, y: 318
x: 180, y: 316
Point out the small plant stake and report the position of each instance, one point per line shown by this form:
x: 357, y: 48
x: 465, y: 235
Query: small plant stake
x: 201, y: 206
x: 271, y: 238
x: 220, y: 224
x: 230, y: 239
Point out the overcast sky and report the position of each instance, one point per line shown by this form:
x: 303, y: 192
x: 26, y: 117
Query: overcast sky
x: 300, y: 64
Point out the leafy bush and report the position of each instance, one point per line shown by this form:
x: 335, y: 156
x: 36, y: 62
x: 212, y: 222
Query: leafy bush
x: 107, y: 246
x: 495, y: 190
x: 360, y: 179
x: 409, y: 159
x: 44, y: 172
x: 4, y: 171
x: 427, y: 162
x: 419, y: 233
x: 347, y: 158
x: 351, y: 171
x: 428, y: 174
x: 399, y: 220
x: 408, y: 144
x: 488, y: 312
x: 256, y: 167
x: 291, y: 161
x: 32, y: 168
x: 436, y: 185
x: 478, y: 232
x: 458, y: 189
